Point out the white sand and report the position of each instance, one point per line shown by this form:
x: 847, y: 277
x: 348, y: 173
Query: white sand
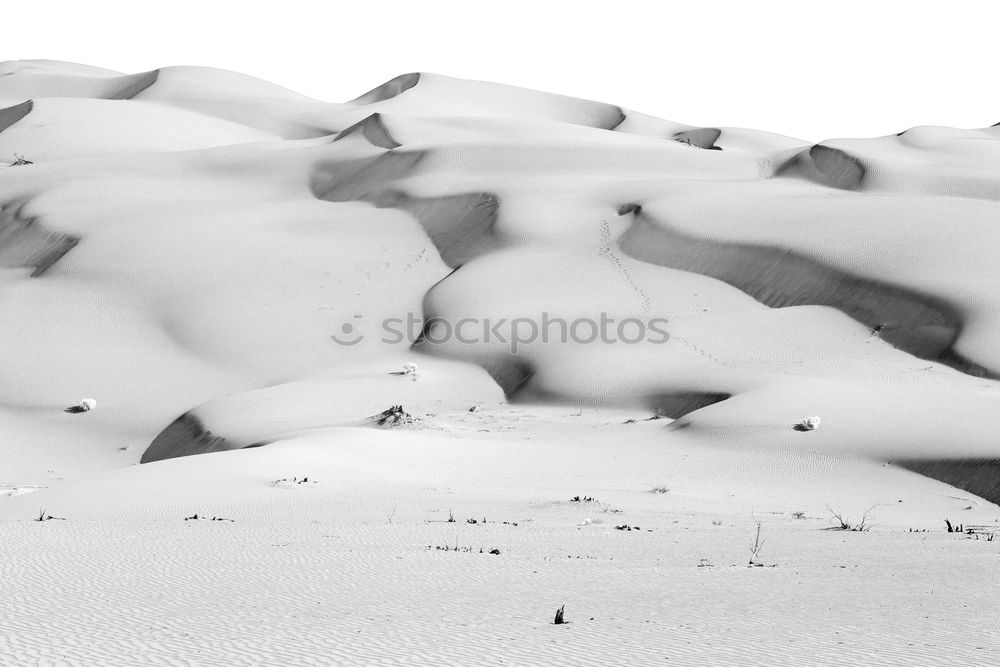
x: 226, y: 228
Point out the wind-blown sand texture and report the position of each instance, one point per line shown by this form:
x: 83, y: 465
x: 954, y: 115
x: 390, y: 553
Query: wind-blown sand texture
x: 188, y: 245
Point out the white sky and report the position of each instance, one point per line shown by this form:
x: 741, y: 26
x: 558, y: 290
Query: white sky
x: 812, y: 70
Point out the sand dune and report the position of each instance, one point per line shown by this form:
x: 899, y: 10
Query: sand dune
x: 519, y: 188
x: 572, y: 300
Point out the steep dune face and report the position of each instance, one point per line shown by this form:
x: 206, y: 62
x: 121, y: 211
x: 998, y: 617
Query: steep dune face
x: 777, y: 277
x: 12, y: 114
x: 374, y: 131
x: 390, y: 89
x: 828, y: 166
x: 703, y: 137
x: 288, y: 255
x: 26, y: 243
x: 185, y: 436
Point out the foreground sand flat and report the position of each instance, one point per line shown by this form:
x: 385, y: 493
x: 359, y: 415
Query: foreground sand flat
x: 191, y: 248
x: 330, y: 593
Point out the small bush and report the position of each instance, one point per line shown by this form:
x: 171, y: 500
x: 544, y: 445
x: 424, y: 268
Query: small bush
x: 559, y: 616
x: 809, y: 424
x: 756, y: 546
x: 843, y: 523
x: 393, y: 417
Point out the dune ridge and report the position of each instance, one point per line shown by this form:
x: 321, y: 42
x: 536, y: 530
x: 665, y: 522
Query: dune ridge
x: 916, y: 323
x: 133, y: 85
x: 461, y: 226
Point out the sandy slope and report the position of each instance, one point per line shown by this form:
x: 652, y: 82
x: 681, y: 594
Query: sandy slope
x: 189, y: 244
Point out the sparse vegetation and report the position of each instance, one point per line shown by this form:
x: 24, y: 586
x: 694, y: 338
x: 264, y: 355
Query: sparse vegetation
x: 448, y: 547
x: 809, y: 424
x: 590, y: 499
x: 798, y: 515
x: 986, y: 531
x: 655, y: 417
x: 627, y: 527
x: 409, y: 368
x: 756, y: 545
x: 393, y: 417
x: 844, y: 523
x: 559, y: 616
x: 293, y: 481
x: 86, y: 405
x: 463, y: 549
x: 20, y: 161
